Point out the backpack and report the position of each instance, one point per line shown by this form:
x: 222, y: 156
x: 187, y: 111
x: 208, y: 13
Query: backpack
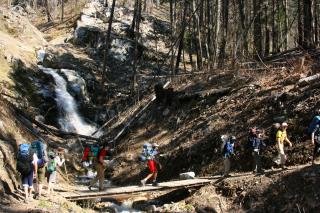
x: 317, y: 134
x: 313, y: 125
x: 147, y: 152
x: 227, y: 149
x: 95, y: 150
x: 90, y: 152
x: 24, y: 159
x: 40, y: 149
x: 51, y: 166
x: 272, y: 136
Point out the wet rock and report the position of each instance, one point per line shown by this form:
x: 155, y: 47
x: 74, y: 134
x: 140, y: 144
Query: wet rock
x: 39, y: 118
x: 77, y: 85
x: 187, y: 175
x: 87, y: 35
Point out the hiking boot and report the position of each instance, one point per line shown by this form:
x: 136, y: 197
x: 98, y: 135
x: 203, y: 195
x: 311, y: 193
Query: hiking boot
x: 284, y: 168
x: 36, y: 196
x: 90, y: 188
x: 226, y: 175
x: 155, y: 183
x: 142, y: 183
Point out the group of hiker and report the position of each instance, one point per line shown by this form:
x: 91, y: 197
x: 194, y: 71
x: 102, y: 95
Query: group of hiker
x: 36, y: 165
x: 256, y: 144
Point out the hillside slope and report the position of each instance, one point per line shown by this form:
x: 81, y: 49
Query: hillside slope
x: 189, y: 131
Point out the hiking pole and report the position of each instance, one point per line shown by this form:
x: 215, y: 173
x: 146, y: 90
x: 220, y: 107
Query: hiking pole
x: 64, y: 163
x: 65, y: 167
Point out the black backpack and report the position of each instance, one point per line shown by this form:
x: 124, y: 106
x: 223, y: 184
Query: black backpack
x: 24, y: 159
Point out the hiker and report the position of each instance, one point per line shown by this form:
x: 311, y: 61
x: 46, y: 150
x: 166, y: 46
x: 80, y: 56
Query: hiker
x: 315, y: 140
x: 40, y: 149
x: 256, y: 146
x: 282, y: 138
x: 273, y: 134
x: 51, y: 170
x: 227, y: 149
x: 315, y: 135
x: 27, y: 166
x: 100, y: 166
x: 150, y: 153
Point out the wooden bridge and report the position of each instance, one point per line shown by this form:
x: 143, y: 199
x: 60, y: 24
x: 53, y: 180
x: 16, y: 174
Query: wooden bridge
x: 131, y: 191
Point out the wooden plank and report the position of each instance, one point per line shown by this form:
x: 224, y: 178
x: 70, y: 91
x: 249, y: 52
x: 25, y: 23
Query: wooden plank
x: 133, y: 190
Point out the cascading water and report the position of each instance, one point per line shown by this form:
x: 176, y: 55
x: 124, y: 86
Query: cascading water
x: 69, y: 119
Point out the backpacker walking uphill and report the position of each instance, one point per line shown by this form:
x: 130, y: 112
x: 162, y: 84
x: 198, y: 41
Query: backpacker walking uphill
x: 40, y: 149
x: 54, y: 162
x: 282, y: 138
x: 227, y: 150
x: 26, y: 165
x: 314, y: 130
x: 100, y: 166
x: 149, y: 154
x: 256, y: 145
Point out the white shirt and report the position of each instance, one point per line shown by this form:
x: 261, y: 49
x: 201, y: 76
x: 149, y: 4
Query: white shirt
x: 59, y: 161
x: 34, y: 158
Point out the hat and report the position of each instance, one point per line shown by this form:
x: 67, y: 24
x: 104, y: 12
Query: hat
x: 284, y: 124
x: 233, y: 138
x: 155, y: 145
x: 51, y: 154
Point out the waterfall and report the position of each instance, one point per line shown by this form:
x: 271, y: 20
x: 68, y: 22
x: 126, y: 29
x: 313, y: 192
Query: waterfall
x: 69, y: 118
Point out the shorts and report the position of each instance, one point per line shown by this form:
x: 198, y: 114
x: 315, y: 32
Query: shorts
x: 52, y: 177
x: 27, y: 181
x: 152, y: 166
x: 41, y: 175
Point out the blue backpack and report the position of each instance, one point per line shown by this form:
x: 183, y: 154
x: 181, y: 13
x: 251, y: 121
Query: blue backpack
x: 228, y: 149
x: 313, y: 125
x: 40, y: 149
x: 147, y: 152
x: 95, y: 150
x: 24, y: 159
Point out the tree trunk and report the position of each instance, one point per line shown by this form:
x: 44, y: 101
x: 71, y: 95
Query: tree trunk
x: 315, y: 15
x: 257, y: 34
x: 48, y: 11
x: 181, y: 40
x: 307, y: 24
x: 267, y: 33
x: 300, y: 28
x: 274, y: 28
x: 107, y: 41
x: 286, y: 23
x: 62, y: 10
x: 199, y: 44
x: 136, y: 39
x: 243, y: 26
x: 224, y: 34
x: 217, y: 28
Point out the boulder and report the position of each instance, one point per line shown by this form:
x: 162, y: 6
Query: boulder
x: 87, y: 35
x: 187, y: 175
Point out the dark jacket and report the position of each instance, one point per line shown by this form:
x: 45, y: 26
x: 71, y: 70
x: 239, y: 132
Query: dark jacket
x: 256, y: 143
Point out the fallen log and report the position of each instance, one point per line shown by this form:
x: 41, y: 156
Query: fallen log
x: 308, y: 80
x: 205, y: 93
